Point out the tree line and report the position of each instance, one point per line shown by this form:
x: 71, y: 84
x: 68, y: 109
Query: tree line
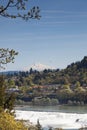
x: 70, y: 75
x: 68, y: 85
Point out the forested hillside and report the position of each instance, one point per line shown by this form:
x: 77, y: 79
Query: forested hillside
x: 73, y: 73
x: 67, y: 85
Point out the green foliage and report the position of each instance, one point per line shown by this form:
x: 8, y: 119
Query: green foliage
x: 80, y: 94
x: 77, y: 85
x: 9, y: 102
x: 65, y: 85
x: 74, y: 74
x: 7, y: 122
x: 2, y: 92
x: 11, y: 83
x: 54, y: 101
x: 45, y: 101
x: 65, y: 94
x: 6, y: 99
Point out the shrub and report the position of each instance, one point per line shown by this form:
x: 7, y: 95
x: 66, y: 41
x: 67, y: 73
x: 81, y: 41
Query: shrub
x: 7, y: 122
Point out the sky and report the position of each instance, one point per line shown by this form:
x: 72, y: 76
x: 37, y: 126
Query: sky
x: 57, y: 39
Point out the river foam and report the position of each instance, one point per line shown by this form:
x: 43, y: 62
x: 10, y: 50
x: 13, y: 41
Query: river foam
x: 54, y: 119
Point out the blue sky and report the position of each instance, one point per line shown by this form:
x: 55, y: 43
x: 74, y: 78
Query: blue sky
x: 57, y: 39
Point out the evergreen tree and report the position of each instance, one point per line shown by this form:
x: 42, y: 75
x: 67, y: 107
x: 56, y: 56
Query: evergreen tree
x: 2, y: 92
x: 6, y: 99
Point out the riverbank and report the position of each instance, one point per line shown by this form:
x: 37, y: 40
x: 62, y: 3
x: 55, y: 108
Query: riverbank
x: 57, y: 108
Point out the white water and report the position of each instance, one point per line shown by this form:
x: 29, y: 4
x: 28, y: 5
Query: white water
x: 54, y: 119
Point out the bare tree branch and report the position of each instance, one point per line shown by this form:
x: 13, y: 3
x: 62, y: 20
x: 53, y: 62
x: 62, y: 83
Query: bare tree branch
x: 19, y: 5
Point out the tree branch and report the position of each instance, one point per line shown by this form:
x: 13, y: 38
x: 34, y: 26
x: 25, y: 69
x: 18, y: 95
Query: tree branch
x: 5, y: 7
x: 19, y: 5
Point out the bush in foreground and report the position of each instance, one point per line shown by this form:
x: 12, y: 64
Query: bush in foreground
x: 7, y: 122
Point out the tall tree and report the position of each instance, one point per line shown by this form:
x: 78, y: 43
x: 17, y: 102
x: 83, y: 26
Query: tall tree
x: 18, y: 5
x: 2, y: 92
x: 6, y: 100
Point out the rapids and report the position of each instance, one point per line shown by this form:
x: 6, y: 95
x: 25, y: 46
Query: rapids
x: 53, y: 118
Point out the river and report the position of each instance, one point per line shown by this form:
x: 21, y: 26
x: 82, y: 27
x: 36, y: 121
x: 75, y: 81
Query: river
x: 66, y: 117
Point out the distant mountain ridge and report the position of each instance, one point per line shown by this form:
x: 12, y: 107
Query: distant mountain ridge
x: 8, y: 72
x: 36, y: 66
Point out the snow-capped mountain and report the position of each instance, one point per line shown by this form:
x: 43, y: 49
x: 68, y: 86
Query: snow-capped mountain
x: 38, y: 66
